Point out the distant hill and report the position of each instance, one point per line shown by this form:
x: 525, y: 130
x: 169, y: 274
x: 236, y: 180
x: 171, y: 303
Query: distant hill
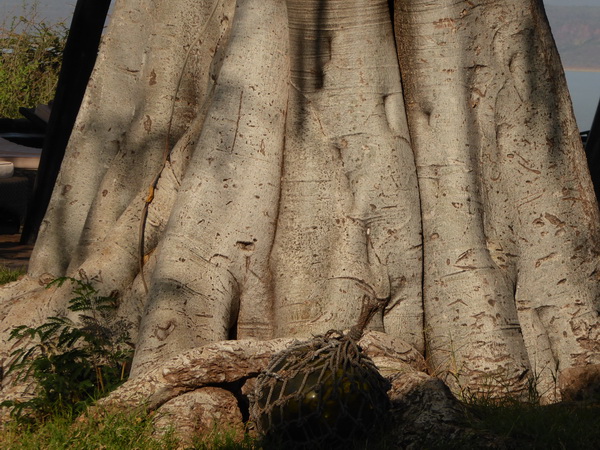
x: 576, y: 30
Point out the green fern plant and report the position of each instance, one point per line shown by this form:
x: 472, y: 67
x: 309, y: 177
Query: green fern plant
x: 71, y: 362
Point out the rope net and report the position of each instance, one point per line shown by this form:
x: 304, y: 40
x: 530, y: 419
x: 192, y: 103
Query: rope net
x: 322, y: 392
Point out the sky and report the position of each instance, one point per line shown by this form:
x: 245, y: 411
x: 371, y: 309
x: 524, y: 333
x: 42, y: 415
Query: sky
x: 56, y: 10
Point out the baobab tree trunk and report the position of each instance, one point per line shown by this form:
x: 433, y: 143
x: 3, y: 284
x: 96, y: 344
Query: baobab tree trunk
x: 245, y: 169
x: 510, y: 222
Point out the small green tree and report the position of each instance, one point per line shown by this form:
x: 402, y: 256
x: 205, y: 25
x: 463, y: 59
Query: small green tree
x: 72, y: 362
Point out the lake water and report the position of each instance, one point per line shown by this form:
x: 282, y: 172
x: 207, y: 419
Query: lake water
x: 585, y: 93
x: 584, y: 86
x: 49, y: 10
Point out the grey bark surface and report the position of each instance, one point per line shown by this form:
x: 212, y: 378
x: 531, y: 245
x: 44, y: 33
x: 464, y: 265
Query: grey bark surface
x: 251, y: 170
x: 200, y: 413
x: 510, y: 222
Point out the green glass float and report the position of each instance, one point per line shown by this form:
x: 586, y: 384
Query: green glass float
x: 324, y: 392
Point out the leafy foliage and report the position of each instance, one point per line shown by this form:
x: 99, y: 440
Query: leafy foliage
x: 30, y: 59
x: 71, y: 361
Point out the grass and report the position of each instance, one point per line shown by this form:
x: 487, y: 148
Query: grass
x: 110, y: 431
x: 114, y: 431
x: 527, y: 426
x: 30, y: 59
x: 7, y: 274
x: 558, y: 426
x: 224, y: 439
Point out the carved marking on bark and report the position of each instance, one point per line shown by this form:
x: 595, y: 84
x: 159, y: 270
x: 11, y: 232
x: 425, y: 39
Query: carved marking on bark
x: 246, y: 246
x: 237, y: 123
x: 148, y: 124
x: 163, y: 332
x: 542, y: 260
x: 531, y: 198
x: 537, y: 172
x: 554, y: 220
x: 445, y: 23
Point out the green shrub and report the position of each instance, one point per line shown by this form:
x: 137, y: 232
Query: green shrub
x: 30, y: 58
x: 71, y: 362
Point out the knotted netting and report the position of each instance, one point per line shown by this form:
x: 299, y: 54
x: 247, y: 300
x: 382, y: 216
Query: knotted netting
x: 322, y: 392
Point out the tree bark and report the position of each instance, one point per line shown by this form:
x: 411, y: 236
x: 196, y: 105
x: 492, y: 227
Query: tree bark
x: 252, y: 170
x: 510, y: 222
